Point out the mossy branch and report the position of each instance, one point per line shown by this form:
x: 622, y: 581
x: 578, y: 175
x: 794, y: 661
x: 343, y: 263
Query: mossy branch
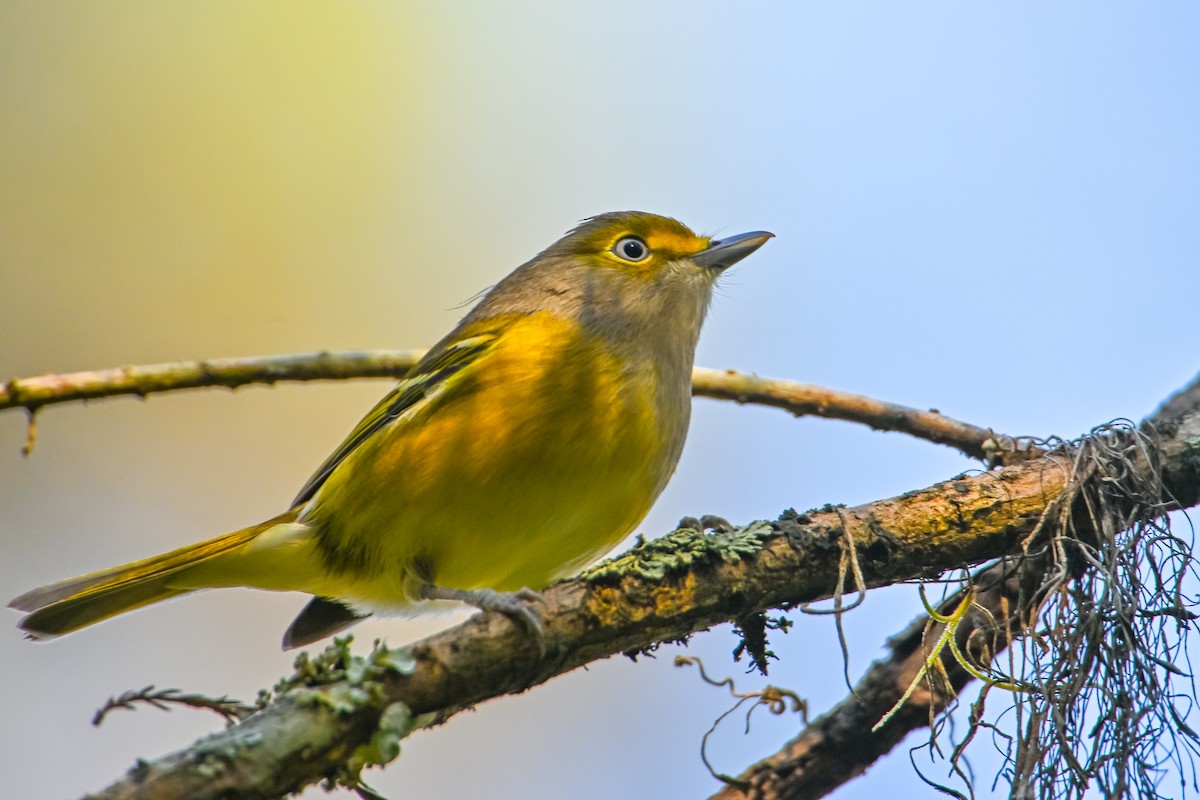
x: 799, y: 399
x: 843, y: 742
x: 840, y: 745
x: 663, y: 590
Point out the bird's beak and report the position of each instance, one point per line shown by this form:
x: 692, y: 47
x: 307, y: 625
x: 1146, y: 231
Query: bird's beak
x: 726, y: 252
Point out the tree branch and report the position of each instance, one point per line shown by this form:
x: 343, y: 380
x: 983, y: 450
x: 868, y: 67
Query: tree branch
x: 840, y: 745
x: 663, y: 590
x: 797, y: 398
x: 43, y: 390
x: 802, y: 399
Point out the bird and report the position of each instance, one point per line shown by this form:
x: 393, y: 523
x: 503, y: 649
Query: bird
x: 528, y: 442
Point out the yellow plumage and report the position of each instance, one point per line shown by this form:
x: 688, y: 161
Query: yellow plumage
x: 528, y: 442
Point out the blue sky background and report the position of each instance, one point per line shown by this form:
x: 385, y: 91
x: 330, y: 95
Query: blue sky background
x: 985, y: 208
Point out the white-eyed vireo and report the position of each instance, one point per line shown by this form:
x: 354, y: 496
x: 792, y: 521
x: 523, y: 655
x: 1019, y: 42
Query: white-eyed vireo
x: 525, y: 444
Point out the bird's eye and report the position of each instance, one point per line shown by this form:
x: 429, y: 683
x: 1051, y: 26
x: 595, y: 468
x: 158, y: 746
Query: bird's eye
x: 631, y: 248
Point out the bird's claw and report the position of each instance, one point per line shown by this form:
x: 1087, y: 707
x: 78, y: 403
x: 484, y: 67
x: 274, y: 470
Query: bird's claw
x: 514, y: 605
x: 708, y: 522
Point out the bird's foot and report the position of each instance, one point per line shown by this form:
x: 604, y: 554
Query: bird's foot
x: 709, y: 522
x: 514, y: 605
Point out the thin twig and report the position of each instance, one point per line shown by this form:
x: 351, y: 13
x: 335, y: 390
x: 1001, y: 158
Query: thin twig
x: 774, y: 698
x: 802, y: 399
x: 232, y: 710
x: 43, y: 390
x: 796, y: 398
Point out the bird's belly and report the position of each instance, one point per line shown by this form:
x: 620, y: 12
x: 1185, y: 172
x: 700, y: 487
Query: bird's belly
x: 503, y: 498
x: 506, y: 542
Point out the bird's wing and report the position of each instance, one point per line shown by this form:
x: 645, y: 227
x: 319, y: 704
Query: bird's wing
x: 426, y: 376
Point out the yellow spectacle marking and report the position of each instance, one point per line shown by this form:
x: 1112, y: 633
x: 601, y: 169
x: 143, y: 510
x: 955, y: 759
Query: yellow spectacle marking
x: 673, y: 243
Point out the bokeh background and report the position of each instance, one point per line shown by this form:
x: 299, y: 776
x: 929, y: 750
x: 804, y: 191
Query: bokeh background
x: 986, y: 208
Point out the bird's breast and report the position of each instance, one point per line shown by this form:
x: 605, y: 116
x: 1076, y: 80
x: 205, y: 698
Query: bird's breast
x: 530, y: 463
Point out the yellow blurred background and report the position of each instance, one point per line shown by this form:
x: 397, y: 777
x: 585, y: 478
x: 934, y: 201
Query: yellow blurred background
x: 198, y: 178
x: 948, y: 183
x: 183, y: 181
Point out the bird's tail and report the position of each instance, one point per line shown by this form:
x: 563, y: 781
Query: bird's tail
x: 75, y: 603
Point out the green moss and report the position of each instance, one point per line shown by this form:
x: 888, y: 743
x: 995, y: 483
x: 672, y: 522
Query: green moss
x: 346, y: 683
x: 751, y: 631
x: 804, y: 534
x: 339, y: 698
x: 680, y: 551
x: 214, y: 753
x: 395, y: 723
x: 337, y: 665
x: 1191, y: 458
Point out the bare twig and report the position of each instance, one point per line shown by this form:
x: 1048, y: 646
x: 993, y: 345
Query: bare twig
x: 797, y: 398
x: 775, y: 699
x: 162, y: 699
x: 802, y: 399
x: 43, y: 390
